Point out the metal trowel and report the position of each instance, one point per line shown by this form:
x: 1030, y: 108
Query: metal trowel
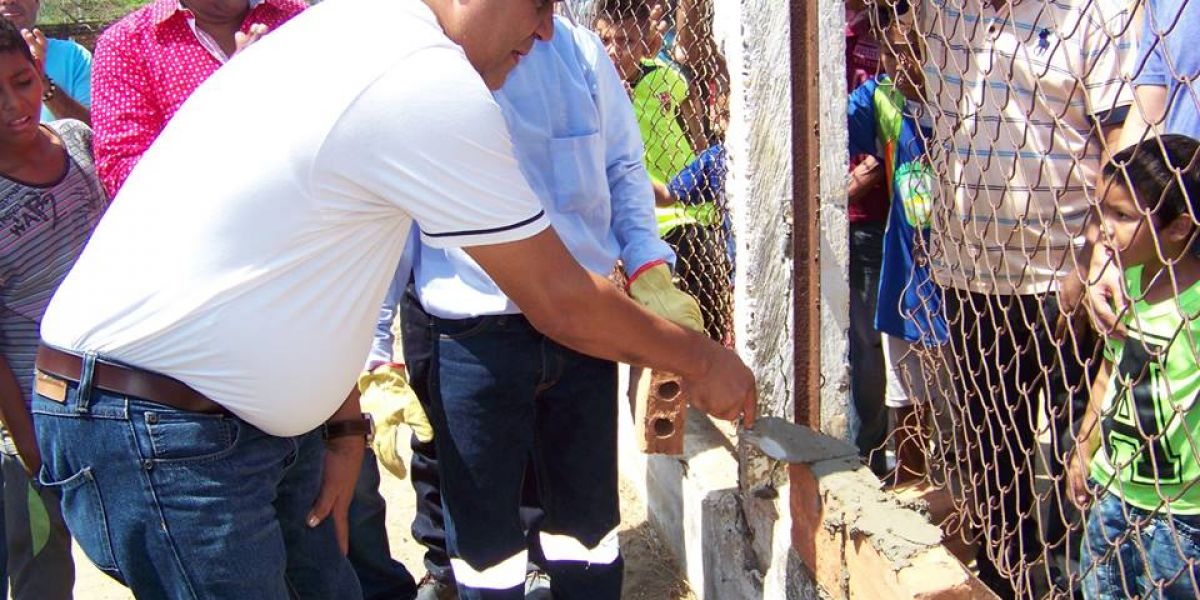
x: 788, y: 442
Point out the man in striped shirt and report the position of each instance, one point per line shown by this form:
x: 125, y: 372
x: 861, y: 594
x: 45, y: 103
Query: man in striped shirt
x: 1024, y: 96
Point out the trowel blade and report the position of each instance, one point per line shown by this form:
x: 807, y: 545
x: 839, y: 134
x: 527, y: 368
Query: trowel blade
x: 791, y: 443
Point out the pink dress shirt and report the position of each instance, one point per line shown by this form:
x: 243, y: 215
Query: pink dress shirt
x: 144, y: 67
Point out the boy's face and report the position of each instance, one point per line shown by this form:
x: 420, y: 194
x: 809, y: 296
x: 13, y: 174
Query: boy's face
x: 1127, y: 228
x: 22, y: 13
x: 20, y: 98
x: 902, y: 58
x: 625, y: 41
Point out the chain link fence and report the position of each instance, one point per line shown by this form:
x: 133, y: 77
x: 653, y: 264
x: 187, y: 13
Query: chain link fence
x: 1069, y: 448
x: 679, y: 87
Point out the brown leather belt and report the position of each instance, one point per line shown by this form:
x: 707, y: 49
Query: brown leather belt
x: 128, y: 381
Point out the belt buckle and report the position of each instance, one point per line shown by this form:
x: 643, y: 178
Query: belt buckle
x: 50, y: 387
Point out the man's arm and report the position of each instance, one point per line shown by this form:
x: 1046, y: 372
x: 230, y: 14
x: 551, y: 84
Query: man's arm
x: 343, y: 460
x: 17, y: 420
x: 1087, y: 439
x: 60, y: 104
x: 1091, y: 284
x: 865, y: 177
x: 691, y: 110
x: 1145, y: 116
x: 126, y: 119
x: 63, y: 106
x: 590, y: 315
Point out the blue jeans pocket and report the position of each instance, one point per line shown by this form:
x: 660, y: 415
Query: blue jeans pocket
x: 461, y: 329
x: 180, y: 438
x: 84, y: 514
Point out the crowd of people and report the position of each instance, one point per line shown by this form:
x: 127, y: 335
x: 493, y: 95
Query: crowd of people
x: 189, y: 291
x: 1024, y: 216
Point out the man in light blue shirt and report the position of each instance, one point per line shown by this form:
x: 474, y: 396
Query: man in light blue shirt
x: 502, y: 396
x: 67, y: 66
x: 1165, y: 89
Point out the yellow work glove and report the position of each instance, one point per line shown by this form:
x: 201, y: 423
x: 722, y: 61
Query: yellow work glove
x: 391, y: 402
x: 654, y: 289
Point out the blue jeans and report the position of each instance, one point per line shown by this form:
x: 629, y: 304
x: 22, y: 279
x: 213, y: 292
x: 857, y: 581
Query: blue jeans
x: 38, y: 569
x: 428, y: 527
x: 178, y: 504
x: 503, y: 394
x: 1130, y: 552
x: 867, y: 367
x: 381, y: 576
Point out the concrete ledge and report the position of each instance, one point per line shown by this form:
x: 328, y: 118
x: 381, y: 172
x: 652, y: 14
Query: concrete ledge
x: 865, y: 543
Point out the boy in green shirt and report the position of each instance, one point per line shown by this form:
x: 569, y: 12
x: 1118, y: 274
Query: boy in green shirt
x: 668, y: 113
x: 1142, y: 429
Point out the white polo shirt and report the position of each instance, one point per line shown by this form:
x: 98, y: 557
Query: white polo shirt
x: 1015, y: 94
x: 249, y: 251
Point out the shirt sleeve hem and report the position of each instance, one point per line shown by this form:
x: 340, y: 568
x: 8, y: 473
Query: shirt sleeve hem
x: 495, y: 235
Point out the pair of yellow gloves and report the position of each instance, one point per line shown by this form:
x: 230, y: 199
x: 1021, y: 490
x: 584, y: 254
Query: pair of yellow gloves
x: 391, y: 402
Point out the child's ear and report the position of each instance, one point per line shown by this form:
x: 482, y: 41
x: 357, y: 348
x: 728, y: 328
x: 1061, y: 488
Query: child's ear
x: 1180, y: 230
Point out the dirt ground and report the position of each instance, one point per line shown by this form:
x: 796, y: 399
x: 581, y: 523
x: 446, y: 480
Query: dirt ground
x: 650, y: 574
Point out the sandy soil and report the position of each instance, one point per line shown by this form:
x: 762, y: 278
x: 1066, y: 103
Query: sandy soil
x: 649, y: 572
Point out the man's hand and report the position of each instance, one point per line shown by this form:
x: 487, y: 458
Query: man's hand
x: 1106, y: 288
x: 658, y: 31
x: 37, y: 46
x: 654, y: 289
x: 726, y: 388
x: 343, y: 460
x: 242, y: 41
x: 391, y: 402
x: 1071, y: 292
x: 1077, y: 478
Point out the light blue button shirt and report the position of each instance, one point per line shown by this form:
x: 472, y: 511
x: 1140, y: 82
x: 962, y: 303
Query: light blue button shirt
x: 578, y: 144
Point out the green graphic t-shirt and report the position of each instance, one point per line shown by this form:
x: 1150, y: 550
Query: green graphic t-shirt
x: 1150, y: 424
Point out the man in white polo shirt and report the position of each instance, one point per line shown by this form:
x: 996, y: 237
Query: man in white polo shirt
x: 221, y: 311
x: 1022, y: 95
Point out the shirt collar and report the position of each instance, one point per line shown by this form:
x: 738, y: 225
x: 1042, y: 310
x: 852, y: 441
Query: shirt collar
x: 162, y: 10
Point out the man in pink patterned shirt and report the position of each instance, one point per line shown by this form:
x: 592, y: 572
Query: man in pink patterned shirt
x: 148, y: 63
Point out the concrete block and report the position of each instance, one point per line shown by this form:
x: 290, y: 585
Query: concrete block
x: 819, y: 544
x: 931, y: 575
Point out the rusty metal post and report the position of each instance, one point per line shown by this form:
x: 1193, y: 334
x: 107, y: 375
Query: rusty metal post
x: 806, y: 190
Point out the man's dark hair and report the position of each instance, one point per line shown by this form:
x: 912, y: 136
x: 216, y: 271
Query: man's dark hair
x: 12, y: 41
x: 620, y: 10
x: 1165, y: 179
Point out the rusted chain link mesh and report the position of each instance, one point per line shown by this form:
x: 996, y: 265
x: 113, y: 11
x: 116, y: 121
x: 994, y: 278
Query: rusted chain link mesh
x: 679, y: 87
x: 1016, y: 115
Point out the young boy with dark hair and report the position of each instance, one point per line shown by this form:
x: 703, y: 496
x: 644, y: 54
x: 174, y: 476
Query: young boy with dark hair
x: 50, y: 200
x: 908, y: 314
x: 1142, y: 429
x: 668, y: 112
